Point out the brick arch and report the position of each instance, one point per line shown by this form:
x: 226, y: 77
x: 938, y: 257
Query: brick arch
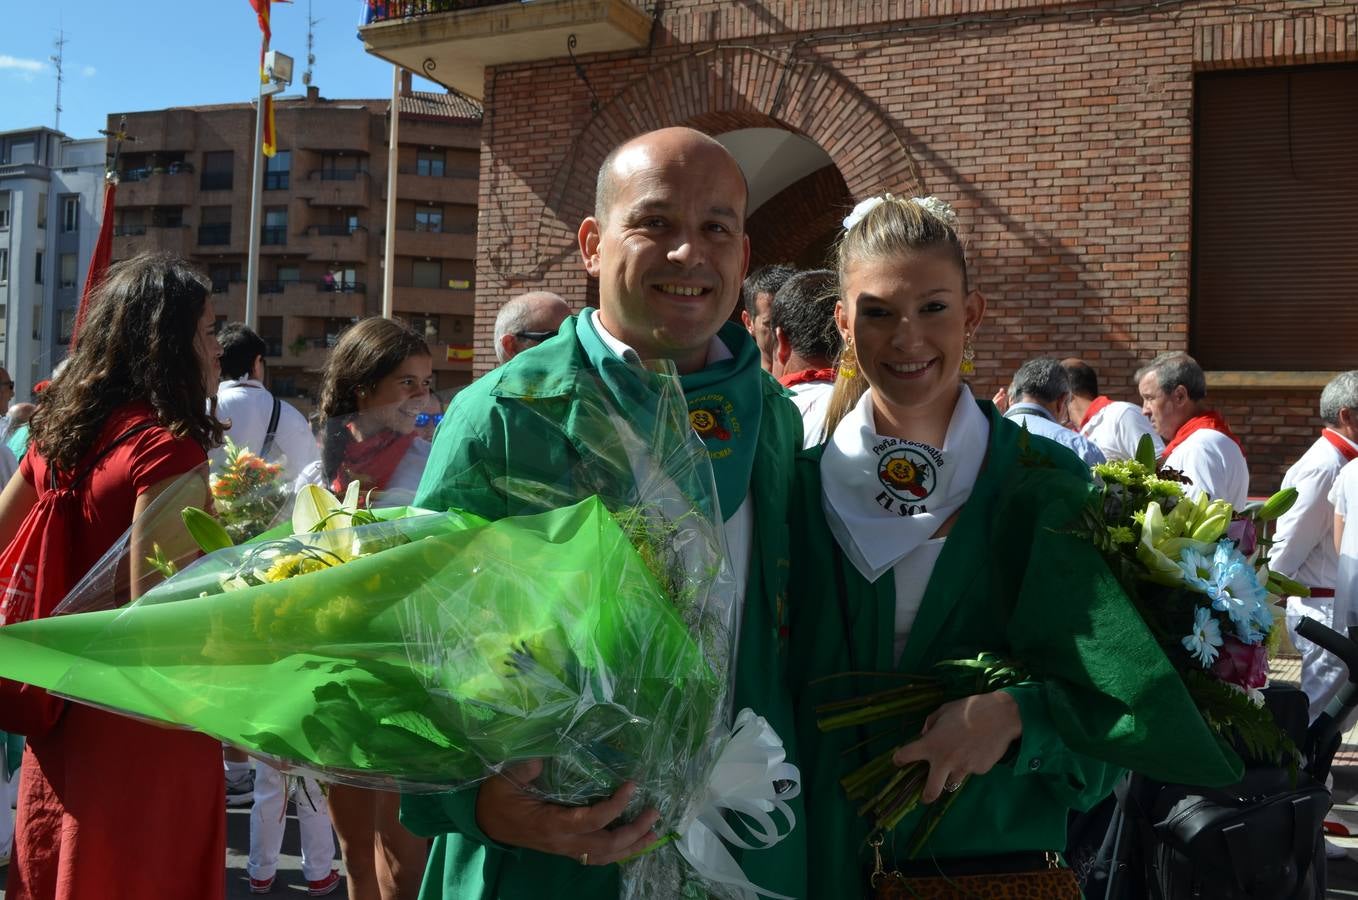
x: 733, y: 88
x: 800, y: 222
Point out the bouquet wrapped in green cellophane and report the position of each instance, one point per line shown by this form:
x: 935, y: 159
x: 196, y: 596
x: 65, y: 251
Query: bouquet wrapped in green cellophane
x: 420, y: 652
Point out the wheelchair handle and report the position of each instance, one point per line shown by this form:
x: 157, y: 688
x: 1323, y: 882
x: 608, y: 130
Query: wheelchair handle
x: 1333, y: 642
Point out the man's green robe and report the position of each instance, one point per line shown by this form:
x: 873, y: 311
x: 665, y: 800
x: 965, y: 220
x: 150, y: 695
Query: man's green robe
x: 1011, y: 579
x: 509, y: 415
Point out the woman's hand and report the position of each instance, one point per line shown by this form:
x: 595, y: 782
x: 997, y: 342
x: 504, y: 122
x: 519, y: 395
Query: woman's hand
x: 964, y: 737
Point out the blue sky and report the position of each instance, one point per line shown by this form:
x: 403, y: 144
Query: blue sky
x: 158, y: 53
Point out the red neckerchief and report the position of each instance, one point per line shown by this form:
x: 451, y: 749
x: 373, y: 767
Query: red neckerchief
x: 372, y: 462
x: 1094, y: 409
x: 1212, y: 421
x: 806, y: 376
x: 1341, y: 444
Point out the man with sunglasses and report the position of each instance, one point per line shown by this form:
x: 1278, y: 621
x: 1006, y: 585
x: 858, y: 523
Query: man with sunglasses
x: 527, y: 321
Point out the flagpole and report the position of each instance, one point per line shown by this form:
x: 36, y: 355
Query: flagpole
x: 389, y: 251
x: 256, y: 195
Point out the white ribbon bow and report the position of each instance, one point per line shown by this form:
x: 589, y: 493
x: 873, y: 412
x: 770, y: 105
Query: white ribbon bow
x: 742, y: 781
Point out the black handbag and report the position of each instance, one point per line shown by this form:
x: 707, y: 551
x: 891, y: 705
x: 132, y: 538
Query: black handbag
x: 1261, y: 837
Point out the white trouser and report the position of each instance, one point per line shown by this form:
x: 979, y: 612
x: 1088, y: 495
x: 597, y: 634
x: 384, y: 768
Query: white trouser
x: 9, y: 790
x: 267, y: 820
x: 1322, y: 674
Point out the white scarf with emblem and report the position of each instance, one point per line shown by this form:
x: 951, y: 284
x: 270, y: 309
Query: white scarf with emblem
x: 884, y: 496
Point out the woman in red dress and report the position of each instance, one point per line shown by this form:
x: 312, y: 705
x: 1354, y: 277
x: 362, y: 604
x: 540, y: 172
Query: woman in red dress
x: 111, y: 807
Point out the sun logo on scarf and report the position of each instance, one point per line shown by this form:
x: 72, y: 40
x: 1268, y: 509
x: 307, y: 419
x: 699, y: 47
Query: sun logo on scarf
x: 708, y: 424
x: 907, y: 474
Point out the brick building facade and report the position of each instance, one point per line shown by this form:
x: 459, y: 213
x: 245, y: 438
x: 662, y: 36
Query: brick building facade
x: 1063, y: 133
x: 185, y: 187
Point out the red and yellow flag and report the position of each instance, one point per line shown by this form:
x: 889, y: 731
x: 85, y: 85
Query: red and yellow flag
x: 261, y: 8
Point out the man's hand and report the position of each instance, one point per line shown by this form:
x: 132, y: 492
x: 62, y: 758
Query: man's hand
x: 509, y: 814
x: 1001, y: 400
x: 964, y: 737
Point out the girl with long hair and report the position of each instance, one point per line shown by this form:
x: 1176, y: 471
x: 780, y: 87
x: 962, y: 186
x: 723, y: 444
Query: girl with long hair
x: 109, y: 806
x: 376, y: 382
x: 930, y: 528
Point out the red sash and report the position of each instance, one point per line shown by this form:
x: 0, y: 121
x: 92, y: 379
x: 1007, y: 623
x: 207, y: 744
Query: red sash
x: 1094, y: 409
x: 806, y: 376
x: 1212, y: 421
x: 1341, y: 444
x: 372, y: 462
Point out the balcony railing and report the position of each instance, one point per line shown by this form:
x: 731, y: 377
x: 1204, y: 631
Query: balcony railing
x: 215, y: 181
x: 341, y: 287
x: 214, y: 235
x: 272, y: 287
x: 276, y: 181
x: 274, y: 236
x: 222, y: 285
x: 382, y: 10
x: 145, y: 172
x: 445, y: 172
x: 334, y: 230
x: 337, y: 174
x: 128, y: 230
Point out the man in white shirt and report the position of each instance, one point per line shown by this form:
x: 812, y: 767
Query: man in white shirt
x: 756, y: 297
x: 1199, y: 444
x: 526, y: 321
x: 1039, y: 399
x: 1114, y: 426
x: 806, y: 345
x: 250, y: 410
x: 1304, y: 546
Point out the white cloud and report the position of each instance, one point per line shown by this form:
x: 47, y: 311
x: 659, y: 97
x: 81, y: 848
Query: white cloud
x: 87, y: 71
x: 22, y: 66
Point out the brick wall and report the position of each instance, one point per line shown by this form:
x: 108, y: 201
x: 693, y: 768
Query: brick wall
x: 1061, y: 132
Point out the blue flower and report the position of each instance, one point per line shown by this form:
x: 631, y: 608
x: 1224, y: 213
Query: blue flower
x: 1234, y: 588
x: 1197, y: 569
x: 1205, y: 638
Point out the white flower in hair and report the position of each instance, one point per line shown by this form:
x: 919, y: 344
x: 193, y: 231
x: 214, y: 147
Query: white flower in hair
x: 937, y: 208
x: 862, y: 209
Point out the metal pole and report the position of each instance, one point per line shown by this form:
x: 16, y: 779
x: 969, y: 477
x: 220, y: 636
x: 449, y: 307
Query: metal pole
x: 256, y: 193
x: 389, y: 253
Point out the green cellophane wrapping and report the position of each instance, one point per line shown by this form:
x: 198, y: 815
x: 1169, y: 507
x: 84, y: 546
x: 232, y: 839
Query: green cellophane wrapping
x: 425, y: 665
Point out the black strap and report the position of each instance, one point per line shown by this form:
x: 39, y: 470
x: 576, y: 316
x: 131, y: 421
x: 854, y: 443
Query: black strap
x: 108, y: 448
x: 272, y: 430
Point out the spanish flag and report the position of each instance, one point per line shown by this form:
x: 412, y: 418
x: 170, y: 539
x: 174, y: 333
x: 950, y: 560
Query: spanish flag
x: 261, y: 8
x: 460, y: 352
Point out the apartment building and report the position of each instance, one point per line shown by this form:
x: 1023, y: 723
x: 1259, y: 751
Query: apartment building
x: 186, y: 188
x: 51, y: 190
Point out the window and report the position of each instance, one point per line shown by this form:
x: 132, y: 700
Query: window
x: 275, y: 226
x: 67, y: 275
x: 427, y: 326
x: 341, y: 280
x: 65, y: 325
x: 37, y: 269
x: 42, y: 210
x: 222, y: 275
x: 338, y: 167
x: 217, y: 170
x: 21, y: 153
x: 215, y: 226
x: 276, y: 171
x: 167, y: 217
x: 271, y: 331
x: 4, y: 209
x: 37, y: 322
x: 70, y: 213
x: 429, y: 162
x: 289, y: 274
x: 1267, y: 141
x: 425, y: 274
x: 429, y: 219
x: 4, y: 265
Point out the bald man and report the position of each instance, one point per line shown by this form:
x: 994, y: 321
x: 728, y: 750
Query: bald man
x: 526, y: 321
x: 667, y: 245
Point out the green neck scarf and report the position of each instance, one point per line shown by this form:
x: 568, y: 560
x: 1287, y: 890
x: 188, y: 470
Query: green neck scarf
x: 724, y: 403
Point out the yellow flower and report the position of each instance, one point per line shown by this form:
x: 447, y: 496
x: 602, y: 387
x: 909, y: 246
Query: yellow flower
x: 291, y: 565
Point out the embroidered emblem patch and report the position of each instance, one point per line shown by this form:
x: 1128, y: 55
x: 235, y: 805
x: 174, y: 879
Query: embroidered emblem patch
x: 909, y: 474
x: 713, y: 417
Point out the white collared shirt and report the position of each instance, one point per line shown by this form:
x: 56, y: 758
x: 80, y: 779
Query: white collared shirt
x: 812, y: 399
x: 248, y: 405
x: 1117, y: 429
x: 1216, y: 465
x: 1039, y: 421
x: 1303, y: 548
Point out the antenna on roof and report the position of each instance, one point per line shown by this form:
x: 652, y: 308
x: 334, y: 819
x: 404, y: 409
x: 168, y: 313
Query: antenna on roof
x: 311, y: 24
x: 56, y: 58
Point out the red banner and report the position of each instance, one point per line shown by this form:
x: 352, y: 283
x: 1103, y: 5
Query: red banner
x: 103, y: 251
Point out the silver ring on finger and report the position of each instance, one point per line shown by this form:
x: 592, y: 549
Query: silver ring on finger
x: 952, y: 786
x: 584, y: 858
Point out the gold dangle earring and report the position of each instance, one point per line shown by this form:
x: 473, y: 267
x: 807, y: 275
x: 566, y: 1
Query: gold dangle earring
x: 968, y: 356
x: 847, y: 361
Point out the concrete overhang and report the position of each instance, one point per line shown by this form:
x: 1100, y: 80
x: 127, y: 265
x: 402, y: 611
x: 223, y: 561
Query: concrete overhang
x: 455, y: 47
